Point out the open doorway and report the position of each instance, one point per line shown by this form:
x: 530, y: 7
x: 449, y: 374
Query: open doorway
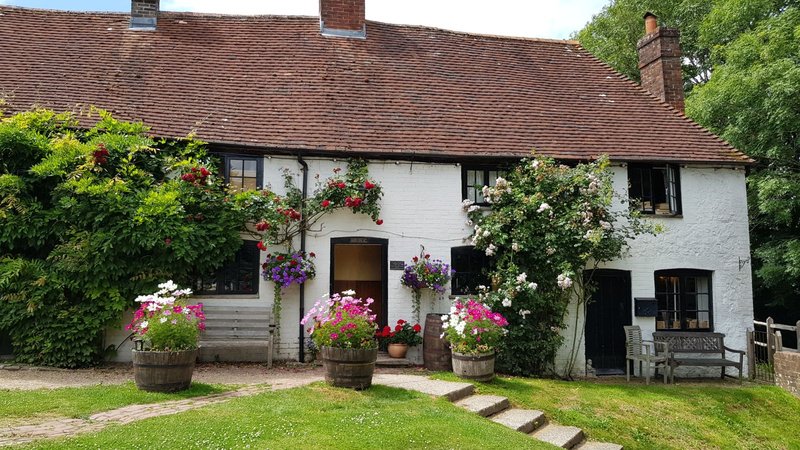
x: 360, y: 264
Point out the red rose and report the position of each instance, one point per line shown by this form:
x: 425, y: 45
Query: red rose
x: 262, y: 226
x: 326, y: 203
x: 379, y: 222
x: 348, y: 201
x: 400, y: 321
x: 368, y: 185
x: 261, y: 246
x: 427, y: 256
x: 341, y: 185
x: 279, y: 258
x: 194, y: 169
x: 398, y: 328
x: 415, y: 259
x: 312, y: 255
x: 204, y: 172
x: 417, y: 328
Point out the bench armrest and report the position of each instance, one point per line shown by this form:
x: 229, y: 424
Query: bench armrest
x: 734, y: 350
x: 660, y: 346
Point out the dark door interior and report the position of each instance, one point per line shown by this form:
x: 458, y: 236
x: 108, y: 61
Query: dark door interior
x: 606, y: 313
x: 360, y: 264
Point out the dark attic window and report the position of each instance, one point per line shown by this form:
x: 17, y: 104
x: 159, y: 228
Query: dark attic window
x: 471, y: 267
x: 655, y: 188
x: 239, y: 276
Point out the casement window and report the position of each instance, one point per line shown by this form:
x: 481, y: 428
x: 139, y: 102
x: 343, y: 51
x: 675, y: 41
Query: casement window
x: 243, y: 173
x: 655, y: 188
x: 474, y: 178
x: 684, y: 300
x: 239, y: 276
x: 471, y: 270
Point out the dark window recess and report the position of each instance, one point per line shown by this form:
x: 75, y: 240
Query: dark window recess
x: 684, y: 300
x: 239, y: 276
x: 655, y: 189
x: 243, y: 173
x: 473, y: 179
x: 471, y: 268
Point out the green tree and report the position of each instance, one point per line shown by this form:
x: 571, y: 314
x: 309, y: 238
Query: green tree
x: 89, y: 218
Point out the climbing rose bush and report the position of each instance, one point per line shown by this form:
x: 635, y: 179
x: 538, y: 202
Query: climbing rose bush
x: 472, y: 327
x: 342, y: 321
x: 165, y: 322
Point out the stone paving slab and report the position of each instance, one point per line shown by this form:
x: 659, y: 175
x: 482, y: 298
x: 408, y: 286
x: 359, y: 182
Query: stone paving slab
x: 484, y: 405
x: 588, y: 445
x: 452, y: 390
x: 522, y: 420
x: 559, y: 435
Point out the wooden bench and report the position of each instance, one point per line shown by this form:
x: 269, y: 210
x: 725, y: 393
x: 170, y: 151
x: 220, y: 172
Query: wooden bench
x: 706, y: 349
x: 237, y: 334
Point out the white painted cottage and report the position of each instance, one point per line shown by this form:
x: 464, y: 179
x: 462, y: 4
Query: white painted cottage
x: 435, y: 113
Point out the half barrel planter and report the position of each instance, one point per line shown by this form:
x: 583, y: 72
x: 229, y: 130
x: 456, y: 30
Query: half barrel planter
x: 349, y: 367
x: 163, y: 371
x: 478, y: 367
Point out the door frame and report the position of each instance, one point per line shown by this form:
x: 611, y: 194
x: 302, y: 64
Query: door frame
x: 628, y: 317
x: 359, y: 240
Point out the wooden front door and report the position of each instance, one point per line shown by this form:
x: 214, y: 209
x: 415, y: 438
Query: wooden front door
x: 608, y: 311
x: 360, y: 264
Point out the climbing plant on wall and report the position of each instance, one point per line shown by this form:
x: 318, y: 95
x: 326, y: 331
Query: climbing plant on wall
x: 548, y: 223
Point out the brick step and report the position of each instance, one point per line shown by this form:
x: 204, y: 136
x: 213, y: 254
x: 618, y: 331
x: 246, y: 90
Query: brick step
x: 522, y: 420
x: 589, y: 445
x: 484, y: 405
x: 559, y: 435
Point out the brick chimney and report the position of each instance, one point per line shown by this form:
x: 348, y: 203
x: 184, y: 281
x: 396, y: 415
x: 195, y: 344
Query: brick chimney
x: 660, y: 62
x: 343, y: 18
x: 144, y: 14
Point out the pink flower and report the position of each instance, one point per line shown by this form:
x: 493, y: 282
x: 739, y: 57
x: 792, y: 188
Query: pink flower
x: 334, y: 336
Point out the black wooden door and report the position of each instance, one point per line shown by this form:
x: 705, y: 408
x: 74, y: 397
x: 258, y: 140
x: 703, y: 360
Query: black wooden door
x: 606, y: 313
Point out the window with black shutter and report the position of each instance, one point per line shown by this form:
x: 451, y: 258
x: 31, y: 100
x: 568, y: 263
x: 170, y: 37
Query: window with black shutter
x: 239, y: 276
x: 471, y: 270
x: 243, y: 173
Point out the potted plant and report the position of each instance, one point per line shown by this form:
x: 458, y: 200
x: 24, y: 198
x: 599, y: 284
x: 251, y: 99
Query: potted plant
x: 473, y: 331
x: 404, y: 335
x: 343, y: 328
x: 425, y: 273
x: 167, y: 331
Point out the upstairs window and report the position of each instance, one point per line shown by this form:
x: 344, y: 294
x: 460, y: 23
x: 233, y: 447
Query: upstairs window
x: 684, y: 300
x: 655, y: 188
x: 243, y: 173
x: 474, y: 178
x: 239, y: 276
x: 471, y: 268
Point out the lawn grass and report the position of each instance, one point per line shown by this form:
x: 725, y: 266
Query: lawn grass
x: 681, y: 416
x: 75, y: 402
x: 313, y: 417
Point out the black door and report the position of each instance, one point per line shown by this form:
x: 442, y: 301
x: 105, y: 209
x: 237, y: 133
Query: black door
x: 606, y: 313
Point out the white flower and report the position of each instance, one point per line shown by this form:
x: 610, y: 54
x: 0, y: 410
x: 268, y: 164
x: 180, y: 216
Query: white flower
x: 349, y: 292
x: 145, y: 298
x: 466, y: 204
x: 485, y: 233
x: 162, y: 320
x: 543, y: 207
x: 144, y: 324
x: 490, y: 250
x: 521, y: 278
x: 468, y: 223
x: 550, y: 250
x: 564, y: 281
x: 532, y: 286
x: 445, y: 318
x: 515, y: 247
x: 506, y: 302
x: 153, y: 307
x: 535, y: 163
x: 169, y: 285
x: 473, y: 208
x: 524, y: 312
x: 605, y: 225
x: 481, y: 287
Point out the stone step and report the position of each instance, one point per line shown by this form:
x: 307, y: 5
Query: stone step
x: 450, y: 390
x: 484, y: 405
x: 384, y: 360
x: 589, y: 445
x: 559, y: 435
x: 523, y: 420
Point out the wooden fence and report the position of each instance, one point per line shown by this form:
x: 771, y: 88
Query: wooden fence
x: 762, y: 342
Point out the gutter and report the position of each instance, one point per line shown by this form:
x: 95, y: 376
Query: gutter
x: 301, y: 333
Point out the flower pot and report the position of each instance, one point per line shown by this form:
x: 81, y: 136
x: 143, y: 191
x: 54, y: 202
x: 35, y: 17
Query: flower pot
x: 398, y: 350
x: 478, y: 367
x: 163, y: 371
x: 349, y: 367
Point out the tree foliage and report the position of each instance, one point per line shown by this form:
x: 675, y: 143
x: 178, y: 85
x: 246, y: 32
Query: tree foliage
x: 91, y: 217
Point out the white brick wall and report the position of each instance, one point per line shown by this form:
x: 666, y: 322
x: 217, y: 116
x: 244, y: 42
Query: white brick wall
x: 422, y: 205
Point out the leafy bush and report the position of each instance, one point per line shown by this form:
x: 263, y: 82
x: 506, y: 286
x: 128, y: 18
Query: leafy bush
x: 342, y: 321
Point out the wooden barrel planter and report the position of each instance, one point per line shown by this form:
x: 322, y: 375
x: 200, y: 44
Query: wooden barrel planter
x: 349, y: 367
x: 435, y: 349
x: 478, y: 367
x: 163, y: 371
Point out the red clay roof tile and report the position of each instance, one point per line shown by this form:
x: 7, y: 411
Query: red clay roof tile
x: 275, y: 82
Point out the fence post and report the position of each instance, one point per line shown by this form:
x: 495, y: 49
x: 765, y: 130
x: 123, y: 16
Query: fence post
x: 751, y: 354
x: 770, y: 342
x: 778, y: 341
x: 797, y: 330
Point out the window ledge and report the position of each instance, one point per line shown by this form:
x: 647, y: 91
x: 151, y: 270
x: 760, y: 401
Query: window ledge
x: 228, y: 296
x: 665, y: 216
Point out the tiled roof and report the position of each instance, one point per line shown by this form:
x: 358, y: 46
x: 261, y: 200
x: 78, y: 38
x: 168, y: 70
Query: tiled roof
x: 275, y: 82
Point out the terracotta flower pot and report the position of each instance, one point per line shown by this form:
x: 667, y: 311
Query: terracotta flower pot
x: 479, y: 367
x: 398, y: 350
x: 163, y: 371
x: 349, y: 367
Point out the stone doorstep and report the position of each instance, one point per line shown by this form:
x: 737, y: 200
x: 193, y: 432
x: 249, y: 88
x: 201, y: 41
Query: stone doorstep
x: 559, y: 435
x: 484, y: 405
x: 522, y: 420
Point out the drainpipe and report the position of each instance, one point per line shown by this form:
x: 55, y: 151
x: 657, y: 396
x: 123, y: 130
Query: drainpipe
x: 301, y: 337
